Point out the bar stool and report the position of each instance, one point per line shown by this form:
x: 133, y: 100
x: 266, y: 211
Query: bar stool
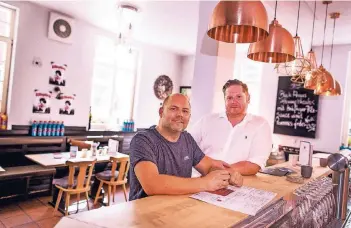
x: 70, y: 185
x: 112, y: 178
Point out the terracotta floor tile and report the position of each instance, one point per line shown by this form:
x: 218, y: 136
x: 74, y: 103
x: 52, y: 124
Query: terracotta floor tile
x: 28, y: 225
x: 30, y: 204
x: 49, y: 222
x: 41, y: 213
x: 16, y: 221
x: 5, y: 214
x: 8, y: 207
x: 45, y: 199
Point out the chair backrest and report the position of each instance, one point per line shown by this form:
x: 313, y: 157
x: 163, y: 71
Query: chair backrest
x: 123, y: 168
x: 81, y: 144
x: 85, y: 170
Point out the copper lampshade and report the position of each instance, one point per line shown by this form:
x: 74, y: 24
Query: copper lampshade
x: 278, y: 47
x: 325, y: 82
x: 311, y: 79
x: 334, y: 92
x: 238, y: 22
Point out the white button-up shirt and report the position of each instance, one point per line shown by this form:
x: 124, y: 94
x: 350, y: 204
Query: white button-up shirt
x: 250, y: 140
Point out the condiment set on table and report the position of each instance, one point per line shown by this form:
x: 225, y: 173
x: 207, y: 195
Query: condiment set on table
x: 85, y: 153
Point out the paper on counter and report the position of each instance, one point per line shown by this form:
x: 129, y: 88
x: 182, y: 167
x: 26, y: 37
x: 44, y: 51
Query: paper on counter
x: 1, y: 169
x: 244, y: 199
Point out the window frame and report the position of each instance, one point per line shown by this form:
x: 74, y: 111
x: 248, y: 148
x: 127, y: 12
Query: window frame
x: 9, y: 57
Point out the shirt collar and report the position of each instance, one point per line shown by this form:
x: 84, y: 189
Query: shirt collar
x: 246, y: 119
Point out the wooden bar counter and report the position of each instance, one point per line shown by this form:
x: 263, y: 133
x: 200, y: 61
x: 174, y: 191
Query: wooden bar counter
x: 182, y: 211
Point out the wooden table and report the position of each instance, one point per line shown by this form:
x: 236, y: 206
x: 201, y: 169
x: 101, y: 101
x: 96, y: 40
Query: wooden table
x: 49, y: 160
x: 182, y: 211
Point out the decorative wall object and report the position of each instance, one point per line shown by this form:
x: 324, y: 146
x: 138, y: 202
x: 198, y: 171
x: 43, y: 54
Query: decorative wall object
x: 163, y: 86
x: 58, y: 74
x: 186, y: 90
x: 42, y: 102
x: 66, y: 104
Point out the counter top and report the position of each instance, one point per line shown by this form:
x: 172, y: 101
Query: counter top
x: 182, y: 211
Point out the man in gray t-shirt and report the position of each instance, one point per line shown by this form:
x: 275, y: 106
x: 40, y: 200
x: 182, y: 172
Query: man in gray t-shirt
x: 162, y: 157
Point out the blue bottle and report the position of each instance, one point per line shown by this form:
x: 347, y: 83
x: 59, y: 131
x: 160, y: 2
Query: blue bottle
x: 132, y: 126
x: 40, y: 129
x: 49, y: 129
x: 58, y: 128
x: 34, y: 128
x: 53, y: 128
x: 124, y: 125
x: 62, y: 130
x: 45, y: 128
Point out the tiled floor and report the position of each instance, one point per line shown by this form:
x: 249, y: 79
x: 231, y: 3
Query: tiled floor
x: 37, y: 212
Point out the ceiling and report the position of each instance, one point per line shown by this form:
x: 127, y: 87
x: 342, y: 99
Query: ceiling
x: 168, y: 24
x: 173, y: 24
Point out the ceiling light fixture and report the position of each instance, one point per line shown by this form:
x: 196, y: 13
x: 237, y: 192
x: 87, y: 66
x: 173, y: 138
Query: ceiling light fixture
x: 238, y: 22
x: 278, y: 47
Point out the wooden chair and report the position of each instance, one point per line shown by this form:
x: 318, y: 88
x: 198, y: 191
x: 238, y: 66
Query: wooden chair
x: 77, y: 186
x: 80, y: 144
x: 112, y: 178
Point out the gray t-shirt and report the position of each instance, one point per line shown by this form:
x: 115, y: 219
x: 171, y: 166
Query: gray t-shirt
x: 171, y: 158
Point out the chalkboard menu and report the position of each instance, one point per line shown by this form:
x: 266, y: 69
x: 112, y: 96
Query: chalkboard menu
x: 296, y: 109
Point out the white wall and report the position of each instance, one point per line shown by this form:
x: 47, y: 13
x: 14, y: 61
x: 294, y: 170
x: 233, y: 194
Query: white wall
x: 32, y: 42
x: 188, y: 65
x: 330, y: 111
x: 155, y: 62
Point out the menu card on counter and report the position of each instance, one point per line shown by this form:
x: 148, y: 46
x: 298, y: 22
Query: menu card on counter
x: 296, y: 109
x: 1, y: 169
x: 244, y: 199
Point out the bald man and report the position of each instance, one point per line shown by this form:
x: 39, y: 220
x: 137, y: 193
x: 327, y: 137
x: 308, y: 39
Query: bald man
x: 162, y: 157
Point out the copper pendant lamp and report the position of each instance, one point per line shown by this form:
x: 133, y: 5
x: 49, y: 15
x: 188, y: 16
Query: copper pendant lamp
x: 335, y: 89
x: 238, y: 22
x: 300, y: 66
x: 278, y: 47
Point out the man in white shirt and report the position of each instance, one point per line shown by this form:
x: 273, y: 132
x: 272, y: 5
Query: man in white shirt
x: 235, y: 136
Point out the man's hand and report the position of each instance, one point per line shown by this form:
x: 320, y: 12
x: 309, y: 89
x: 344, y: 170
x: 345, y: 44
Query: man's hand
x: 218, y: 164
x: 235, y: 178
x: 216, y: 180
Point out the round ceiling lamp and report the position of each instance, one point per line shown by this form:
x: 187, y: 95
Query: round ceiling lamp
x: 335, y: 89
x: 238, y: 22
x: 278, y: 47
x: 298, y: 67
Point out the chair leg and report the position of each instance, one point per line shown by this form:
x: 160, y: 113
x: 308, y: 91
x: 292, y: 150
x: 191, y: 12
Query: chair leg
x: 125, y: 192
x: 109, y: 195
x: 87, y: 198
x: 67, y: 203
x: 78, y: 199
x: 98, y: 193
x: 114, y: 193
x: 58, y: 200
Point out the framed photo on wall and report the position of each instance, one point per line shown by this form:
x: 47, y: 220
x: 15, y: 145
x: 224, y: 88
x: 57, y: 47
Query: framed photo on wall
x: 186, y: 90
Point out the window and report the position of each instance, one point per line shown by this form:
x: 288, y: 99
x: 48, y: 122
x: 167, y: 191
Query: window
x: 250, y: 73
x: 7, y: 24
x: 115, y: 69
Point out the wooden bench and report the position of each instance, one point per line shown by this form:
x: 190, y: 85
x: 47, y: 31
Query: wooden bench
x: 22, y: 181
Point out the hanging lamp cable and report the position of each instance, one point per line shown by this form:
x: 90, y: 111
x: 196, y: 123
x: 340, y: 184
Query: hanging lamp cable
x: 332, y: 46
x: 298, y: 17
x: 325, y: 26
x: 314, y: 19
x: 275, y: 10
